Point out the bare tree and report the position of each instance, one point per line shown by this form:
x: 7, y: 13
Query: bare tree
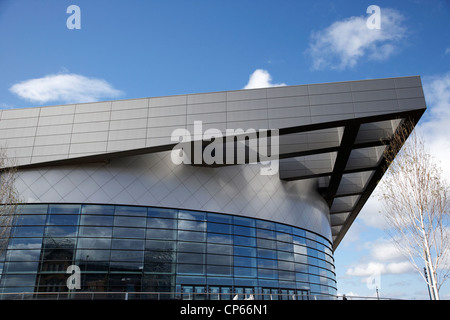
x: 9, y: 197
x: 415, y: 200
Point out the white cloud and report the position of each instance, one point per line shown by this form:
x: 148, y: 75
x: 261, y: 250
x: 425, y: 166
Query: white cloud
x: 374, y: 268
x: 65, y: 88
x: 447, y: 51
x: 386, y: 251
x: 436, y: 121
x: 366, y: 270
x: 345, y: 42
x: 261, y: 79
x: 371, y: 214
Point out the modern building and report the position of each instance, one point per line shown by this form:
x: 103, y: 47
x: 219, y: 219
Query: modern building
x: 102, y: 190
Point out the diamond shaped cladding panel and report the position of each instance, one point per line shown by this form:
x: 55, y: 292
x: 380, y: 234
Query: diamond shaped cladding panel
x: 153, y: 180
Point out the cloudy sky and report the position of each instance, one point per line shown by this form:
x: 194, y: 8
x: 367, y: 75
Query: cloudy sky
x: 134, y: 49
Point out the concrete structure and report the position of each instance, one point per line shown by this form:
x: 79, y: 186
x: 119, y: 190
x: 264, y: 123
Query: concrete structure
x: 115, y: 156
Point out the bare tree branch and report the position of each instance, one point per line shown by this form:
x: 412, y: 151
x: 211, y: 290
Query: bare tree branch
x: 9, y: 197
x: 415, y: 199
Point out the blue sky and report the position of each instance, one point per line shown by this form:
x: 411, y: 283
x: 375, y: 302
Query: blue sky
x: 134, y: 49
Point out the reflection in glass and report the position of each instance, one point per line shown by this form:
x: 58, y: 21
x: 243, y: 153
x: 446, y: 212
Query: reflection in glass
x: 126, y: 248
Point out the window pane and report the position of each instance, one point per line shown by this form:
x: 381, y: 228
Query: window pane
x: 270, y: 254
x: 162, y: 213
x: 25, y: 243
x: 83, y: 256
x: 244, y: 241
x: 28, y: 231
x: 192, y: 225
x: 283, y: 228
x: 219, y: 270
x: 265, y: 224
x: 244, y: 231
x: 192, y: 236
x: 192, y: 215
x: 192, y: 258
x: 161, y: 234
x: 220, y: 238
x: 125, y: 221
x: 131, y: 211
x: 17, y: 280
x: 98, y: 209
x: 97, y: 243
x: 161, y: 223
x: 31, y: 220
x: 127, y: 255
x: 157, y: 245
x: 191, y: 268
x: 220, y: 249
x: 267, y: 263
x: 245, y: 251
x: 93, y: 220
x: 220, y: 218
x: 23, y: 255
x: 95, y: 231
x: 32, y: 209
x: 128, y: 244
x: 128, y: 232
x: 245, y: 262
x: 244, y: 272
x: 219, y: 259
x: 61, y: 231
x: 244, y: 221
x: 31, y: 266
x: 191, y: 247
x: 219, y: 228
x: 64, y: 209
x: 266, y: 234
x: 62, y: 219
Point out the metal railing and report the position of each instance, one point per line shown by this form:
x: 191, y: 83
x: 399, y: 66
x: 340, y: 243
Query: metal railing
x: 87, y: 295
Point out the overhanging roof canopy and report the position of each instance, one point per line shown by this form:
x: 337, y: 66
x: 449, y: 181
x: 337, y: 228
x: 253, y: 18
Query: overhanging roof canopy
x: 333, y: 132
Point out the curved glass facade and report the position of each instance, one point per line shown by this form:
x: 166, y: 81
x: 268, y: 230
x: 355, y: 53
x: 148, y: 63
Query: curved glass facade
x: 180, y: 254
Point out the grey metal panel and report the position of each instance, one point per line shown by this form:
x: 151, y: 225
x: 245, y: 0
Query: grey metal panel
x: 246, y: 115
x: 336, y: 108
x: 56, y: 120
x: 211, y: 107
x: 248, y: 124
x: 344, y: 97
x: 410, y: 104
x: 206, y: 97
x: 329, y: 88
x: 374, y: 95
x: 130, y: 104
x: 375, y: 84
x: 416, y: 92
x: 246, y: 94
x: 155, y: 122
x: 257, y: 104
x: 96, y: 107
x: 376, y: 106
x: 20, y: 113
x: 298, y: 101
x: 126, y: 124
x: 289, y: 122
x: 126, y: 114
x: 219, y: 117
x: 404, y: 82
x: 167, y: 101
x: 286, y: 91
x: 57, y: 110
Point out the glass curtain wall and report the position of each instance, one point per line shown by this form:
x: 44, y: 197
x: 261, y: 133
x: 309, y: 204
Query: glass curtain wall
x: 161, y: 253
